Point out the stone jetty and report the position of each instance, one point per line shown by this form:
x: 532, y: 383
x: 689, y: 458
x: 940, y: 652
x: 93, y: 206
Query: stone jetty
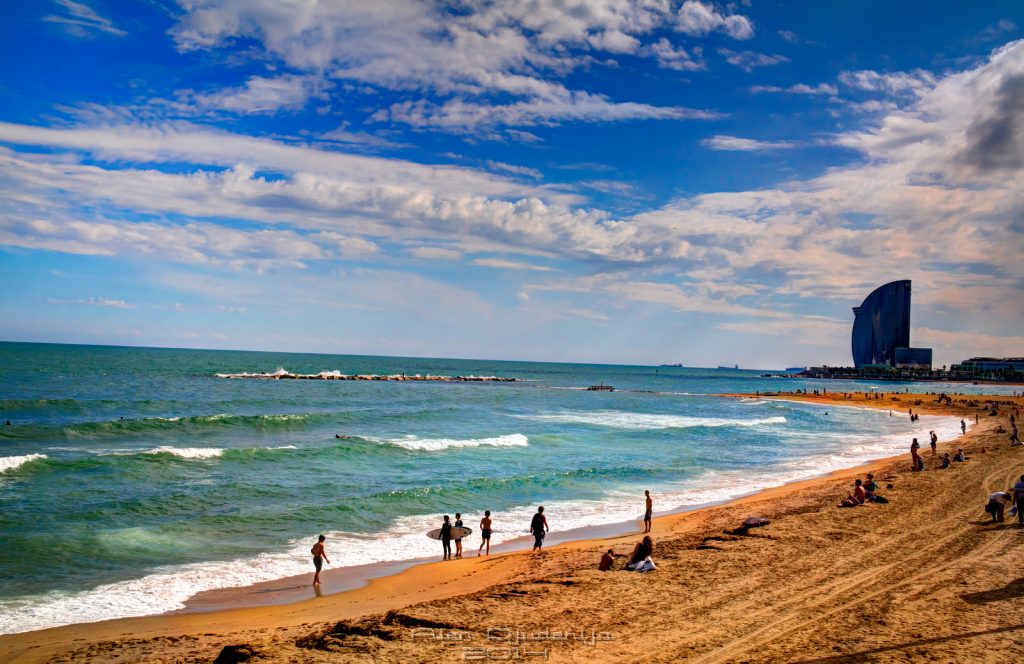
x: 281, y: 374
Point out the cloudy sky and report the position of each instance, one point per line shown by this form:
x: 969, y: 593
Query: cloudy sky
x: 584, y: 180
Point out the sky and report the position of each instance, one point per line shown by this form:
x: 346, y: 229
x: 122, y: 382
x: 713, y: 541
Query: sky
x: 607, y: 181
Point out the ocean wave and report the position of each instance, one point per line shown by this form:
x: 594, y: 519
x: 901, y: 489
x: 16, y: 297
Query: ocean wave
x: 642, y: 421
x: 12, y: 462
x: 188, y: 452
x: 438, y: 444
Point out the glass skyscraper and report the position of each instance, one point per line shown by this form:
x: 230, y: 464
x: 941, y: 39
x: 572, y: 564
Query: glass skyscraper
x: 881, y: 324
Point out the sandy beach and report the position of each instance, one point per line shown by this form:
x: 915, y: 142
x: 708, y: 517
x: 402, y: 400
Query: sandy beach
x: 926, y: 577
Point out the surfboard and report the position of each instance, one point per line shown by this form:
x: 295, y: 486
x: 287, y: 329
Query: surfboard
x: 458, y: 532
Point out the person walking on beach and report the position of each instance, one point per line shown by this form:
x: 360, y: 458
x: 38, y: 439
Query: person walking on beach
x: 446, y: 539
x: 1018, y: 499
x: 648, y: 511
x: 458, y: 540
x: 319, y: 556
x: 934, y: 441
x: 539, y: 528
x: 485, y: 533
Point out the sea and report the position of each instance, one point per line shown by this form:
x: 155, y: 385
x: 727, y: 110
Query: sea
x: 133, y: 478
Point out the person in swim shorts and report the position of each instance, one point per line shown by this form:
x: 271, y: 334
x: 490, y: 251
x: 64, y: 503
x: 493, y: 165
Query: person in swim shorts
x: 539, y: 528
x: 485, y: 533
x: 648, y: 511
x: 319, y: 556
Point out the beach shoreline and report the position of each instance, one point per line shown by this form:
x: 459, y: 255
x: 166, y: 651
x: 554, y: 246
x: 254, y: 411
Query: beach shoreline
x: 415, y: 582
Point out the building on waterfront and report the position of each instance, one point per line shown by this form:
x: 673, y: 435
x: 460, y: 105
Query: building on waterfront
x: 881, y: 330
x: 990, y: 367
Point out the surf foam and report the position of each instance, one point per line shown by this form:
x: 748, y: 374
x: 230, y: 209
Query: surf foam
x: 12, y: 462
x: 640, y: 421
x: 187, y: 452
x: 438, y: 444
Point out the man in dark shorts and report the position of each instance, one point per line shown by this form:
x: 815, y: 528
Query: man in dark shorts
x: 319, y: 556
x: 539, y: 527
x: 485, y: 533
x: 458, y: 540
x: 446, y: 538
x: 648, y: 510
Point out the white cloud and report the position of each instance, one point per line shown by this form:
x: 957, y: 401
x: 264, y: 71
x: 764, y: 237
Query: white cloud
x: 514, y: 169
x: 798, y: 89
x: 92, y: 302
x: 261, y: 95
x: 82, y: 20
x: 456, y: 64
x: 675, y: 57
x: 504, y: 264
x: 737, y: 144
x: 698, y: 18
x: 749, y: 60
x: 916, y: 82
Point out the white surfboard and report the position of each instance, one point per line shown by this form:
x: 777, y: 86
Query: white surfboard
x: 458, y: 532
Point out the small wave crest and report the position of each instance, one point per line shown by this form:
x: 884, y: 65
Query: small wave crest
x: 188, y: 452
x: 641, y: 421
x: 12, y: 462
x: 438, y: 444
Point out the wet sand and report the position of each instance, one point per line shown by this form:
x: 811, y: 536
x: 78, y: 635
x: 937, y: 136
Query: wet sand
x: 924, y: 577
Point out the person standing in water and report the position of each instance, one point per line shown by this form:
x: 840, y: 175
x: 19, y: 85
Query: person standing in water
x: 485, y: 533
x: 648, y: 511
x: 963, y: 427
x: 319, y: 556
x: 446, y: 539
x: 539, y: 528
x: 934, y: 441
x: 458, y: 540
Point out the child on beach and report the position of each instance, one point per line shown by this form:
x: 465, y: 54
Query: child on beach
x: 319, y: 556
x: 607, y: 560
x: 485, y: 533
x: 946, y: 462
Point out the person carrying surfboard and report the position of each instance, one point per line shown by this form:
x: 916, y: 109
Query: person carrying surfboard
x: 446, y: 538
x: 539, y: 527
x: 458, y: 540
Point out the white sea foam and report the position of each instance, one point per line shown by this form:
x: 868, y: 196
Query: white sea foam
x: 188, y: 452
x: 12, y: 462
x: 623, y: 420
x: 438, y: 444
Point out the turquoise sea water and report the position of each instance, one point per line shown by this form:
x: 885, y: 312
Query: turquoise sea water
x: 132, y: 478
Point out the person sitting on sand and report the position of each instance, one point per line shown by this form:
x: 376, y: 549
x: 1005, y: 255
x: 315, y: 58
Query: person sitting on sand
x: 607, y: 560
x: 856, y: 498
x: 539, y: 528
x: 641, y: 551
x: 446, y: 539
x: 485, y: 533
x: 870, y: 488
x: 997, y: 502
x: 960, y: 456
x: 319, y: 556
x: 946, y: 461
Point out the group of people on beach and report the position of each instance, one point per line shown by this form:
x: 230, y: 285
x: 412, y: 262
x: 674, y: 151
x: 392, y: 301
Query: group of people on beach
x: 864, y: 491
x: 448, y: 534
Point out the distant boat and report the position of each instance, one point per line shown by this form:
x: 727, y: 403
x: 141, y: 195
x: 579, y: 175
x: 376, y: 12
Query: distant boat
x: 601, y: 388
x: 735, y: 366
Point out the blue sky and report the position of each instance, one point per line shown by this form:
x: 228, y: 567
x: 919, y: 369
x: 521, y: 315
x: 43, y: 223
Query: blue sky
x: 598, y: 181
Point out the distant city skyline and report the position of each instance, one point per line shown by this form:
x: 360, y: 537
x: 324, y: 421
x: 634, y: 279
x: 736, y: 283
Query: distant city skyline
x: 594, y: 181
